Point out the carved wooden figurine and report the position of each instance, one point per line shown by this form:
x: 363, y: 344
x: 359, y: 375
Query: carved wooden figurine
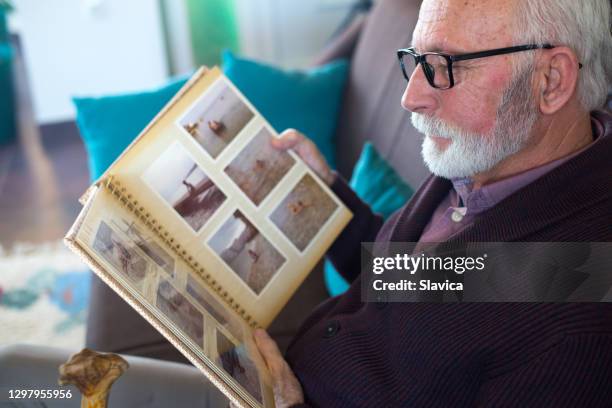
x: 93, y: 374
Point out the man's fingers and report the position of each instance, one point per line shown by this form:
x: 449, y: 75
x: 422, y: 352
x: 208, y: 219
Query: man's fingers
x: 269, y: 351
x: 292, y: 139
x: 266, y: 344
x: 288, y: 139
x: 306, y: 150
x: 287, y: 388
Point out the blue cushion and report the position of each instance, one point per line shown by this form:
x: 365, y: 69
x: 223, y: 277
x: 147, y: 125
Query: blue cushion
x: 108, y: 124
x: 305, y: 100
x: 377, y: 184
x: 308, y: 101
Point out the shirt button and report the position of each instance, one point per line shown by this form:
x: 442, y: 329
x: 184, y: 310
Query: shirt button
x: 456, y: 216
x: 381, y: 300
x: 332, y: 329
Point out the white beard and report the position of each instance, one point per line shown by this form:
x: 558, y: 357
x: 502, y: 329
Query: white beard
x: 469, y: 153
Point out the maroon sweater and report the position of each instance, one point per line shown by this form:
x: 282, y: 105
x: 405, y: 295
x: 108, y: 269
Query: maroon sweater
x: 349, y: 353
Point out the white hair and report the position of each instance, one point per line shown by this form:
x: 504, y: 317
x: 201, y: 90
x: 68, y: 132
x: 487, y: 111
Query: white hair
x: 583, y: 26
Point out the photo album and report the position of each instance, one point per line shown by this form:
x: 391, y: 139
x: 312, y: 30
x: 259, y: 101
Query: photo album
x: 207, y: 230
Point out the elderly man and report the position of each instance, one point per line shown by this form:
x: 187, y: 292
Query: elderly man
x: 506, y: 93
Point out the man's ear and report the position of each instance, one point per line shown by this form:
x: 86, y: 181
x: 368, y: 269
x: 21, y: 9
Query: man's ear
x: 558, y: 78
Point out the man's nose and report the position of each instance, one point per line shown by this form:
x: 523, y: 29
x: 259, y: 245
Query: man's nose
x: 419, y: 96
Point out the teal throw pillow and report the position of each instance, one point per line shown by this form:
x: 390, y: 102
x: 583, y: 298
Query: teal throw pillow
x: 379, y: 185
x: 108, y: 124
x: 307, y: 100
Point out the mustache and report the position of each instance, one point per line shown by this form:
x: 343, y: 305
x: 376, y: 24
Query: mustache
x: 432, y: 126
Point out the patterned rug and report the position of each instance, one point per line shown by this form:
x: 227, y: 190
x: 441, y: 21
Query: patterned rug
x: 44, y: 293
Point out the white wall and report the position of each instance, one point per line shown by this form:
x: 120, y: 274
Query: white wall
x: 287, y: 32
x: 95, y: 47
x: 88, y: 47
x: 180, y: 47
x: 282, y: 32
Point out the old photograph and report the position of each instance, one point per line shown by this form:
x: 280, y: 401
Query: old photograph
x: 246, y: 251
x: 259, y: 167
x: 217, y: 118
x: 303, y: 212
x: 236, y: 361
x: 181, y: 312
x: 183, y: 184
x: 148, y: 245
x: 197, y: 291
x: 120, y: 253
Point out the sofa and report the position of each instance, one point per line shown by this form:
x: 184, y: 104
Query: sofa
x: 149, y: 383
x: 370, y: 111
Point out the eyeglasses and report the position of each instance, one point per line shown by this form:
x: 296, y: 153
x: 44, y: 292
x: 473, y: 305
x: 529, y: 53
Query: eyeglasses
x: 438, y: 67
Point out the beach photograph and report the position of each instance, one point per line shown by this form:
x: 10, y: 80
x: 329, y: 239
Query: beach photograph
x: 217, y: 118
x: 184, y: 186
x: 259, y: 167
x: 303, y: 212
x: 246, y: 252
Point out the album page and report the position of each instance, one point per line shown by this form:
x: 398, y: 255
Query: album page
x: 162, y: 288
x: 254, y: 219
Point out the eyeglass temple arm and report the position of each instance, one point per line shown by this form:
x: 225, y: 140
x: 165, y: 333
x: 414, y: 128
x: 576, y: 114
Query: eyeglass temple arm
x: 500, y: 51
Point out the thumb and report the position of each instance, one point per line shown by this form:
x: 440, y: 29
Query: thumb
x: 269, y: 351
x: 286, y: 387
x: 288, y: 139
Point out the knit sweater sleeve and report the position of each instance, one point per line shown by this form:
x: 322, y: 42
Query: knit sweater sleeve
x: 363, y: 227
x: 577, y: 372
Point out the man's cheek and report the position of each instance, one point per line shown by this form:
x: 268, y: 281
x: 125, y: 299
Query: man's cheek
x: 473, y: 116
x: 479, y: 109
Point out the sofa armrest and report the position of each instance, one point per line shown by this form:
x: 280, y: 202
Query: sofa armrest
x: 344, y: 44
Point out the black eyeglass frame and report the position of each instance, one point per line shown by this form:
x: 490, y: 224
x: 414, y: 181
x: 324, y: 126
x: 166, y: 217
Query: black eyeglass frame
x: 420, y: 59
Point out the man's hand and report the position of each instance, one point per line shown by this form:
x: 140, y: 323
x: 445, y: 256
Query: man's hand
x: 306, y: 149
x: 287, y: 389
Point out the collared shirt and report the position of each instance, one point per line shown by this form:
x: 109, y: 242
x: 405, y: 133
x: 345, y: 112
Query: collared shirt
x: 463, y: 204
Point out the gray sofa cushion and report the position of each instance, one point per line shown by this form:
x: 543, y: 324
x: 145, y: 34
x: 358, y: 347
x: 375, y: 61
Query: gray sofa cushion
x: 371, y: 108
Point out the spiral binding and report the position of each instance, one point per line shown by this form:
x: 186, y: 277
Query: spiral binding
x: 132, y: 205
